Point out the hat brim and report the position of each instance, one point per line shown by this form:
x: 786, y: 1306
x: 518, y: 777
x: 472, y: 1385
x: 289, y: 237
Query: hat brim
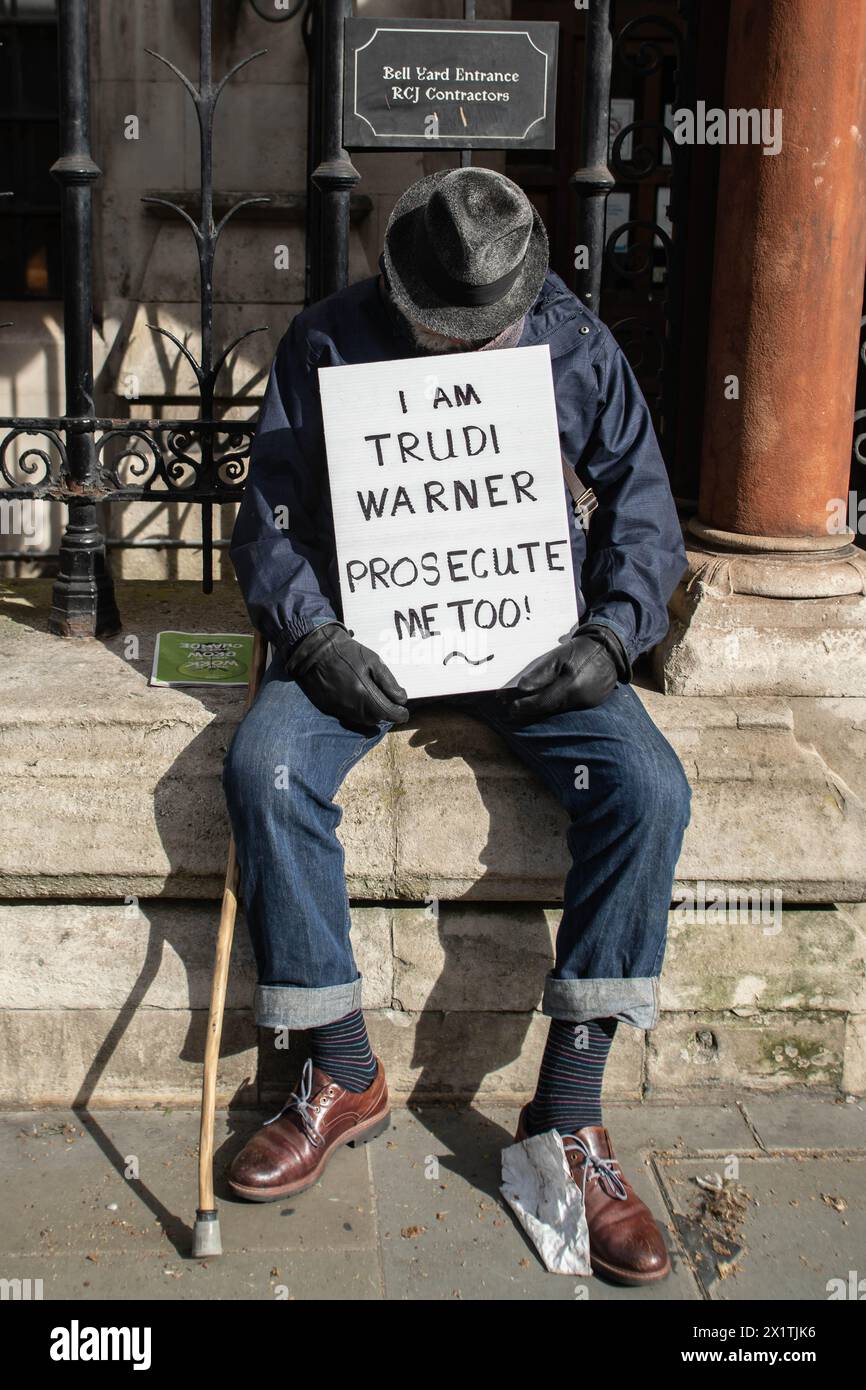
x: 419, y: 302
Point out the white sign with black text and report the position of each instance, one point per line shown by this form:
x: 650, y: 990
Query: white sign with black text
x: 450, y: 514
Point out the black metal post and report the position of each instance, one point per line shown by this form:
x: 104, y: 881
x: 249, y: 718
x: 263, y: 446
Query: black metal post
x: 312, y: 36
x: 468, y: 14
x: 83, y: 603
x: 336, y: 175
x: 685, y: 97
x: 593, y: 180
x: 207, y: 240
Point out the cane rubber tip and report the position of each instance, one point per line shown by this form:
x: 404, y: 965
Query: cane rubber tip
x: 206, y: 1242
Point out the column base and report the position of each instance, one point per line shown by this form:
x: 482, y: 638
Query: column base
x: 768, y: 617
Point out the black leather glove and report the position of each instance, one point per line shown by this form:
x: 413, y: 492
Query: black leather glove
x: 343, y: 678
x: 578, y: 674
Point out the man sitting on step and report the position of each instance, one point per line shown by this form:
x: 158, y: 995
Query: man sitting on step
x: 465, y: 267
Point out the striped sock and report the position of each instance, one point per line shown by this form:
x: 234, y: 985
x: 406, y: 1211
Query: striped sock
x: 342, y: 1049
x: 568, y: 1095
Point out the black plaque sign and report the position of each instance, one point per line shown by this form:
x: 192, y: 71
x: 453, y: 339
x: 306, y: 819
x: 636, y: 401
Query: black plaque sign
x: 421, y: 83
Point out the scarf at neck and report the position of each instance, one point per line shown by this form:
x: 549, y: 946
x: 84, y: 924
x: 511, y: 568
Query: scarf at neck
x: 509, y: 337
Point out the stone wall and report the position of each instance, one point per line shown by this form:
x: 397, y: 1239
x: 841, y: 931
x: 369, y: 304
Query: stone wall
x: 114, y: 855
x: 106, y: 1002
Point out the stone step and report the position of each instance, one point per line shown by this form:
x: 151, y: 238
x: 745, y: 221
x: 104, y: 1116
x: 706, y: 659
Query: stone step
x: 447, y: 956
x: 106, y: 1003
x: 113, y: 787
x: 97, y: 1057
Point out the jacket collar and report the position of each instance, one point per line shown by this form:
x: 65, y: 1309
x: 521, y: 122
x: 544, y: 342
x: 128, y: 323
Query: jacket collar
x: 556, y: 318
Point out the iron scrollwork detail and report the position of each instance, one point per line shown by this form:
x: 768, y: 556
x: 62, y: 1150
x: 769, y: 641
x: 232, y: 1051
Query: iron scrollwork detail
x: 650, y: 54
x: 42, y: 478
x: 644, y: 159
x: 185, y: 460
x: 151, y: 460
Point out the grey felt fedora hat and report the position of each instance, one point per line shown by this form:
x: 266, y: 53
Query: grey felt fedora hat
x: 465, y: 253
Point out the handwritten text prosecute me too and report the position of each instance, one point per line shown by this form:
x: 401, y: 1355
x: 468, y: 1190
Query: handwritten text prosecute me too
x: 479, y: 491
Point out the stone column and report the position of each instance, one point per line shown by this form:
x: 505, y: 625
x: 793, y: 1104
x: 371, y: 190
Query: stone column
x: 773, y: 601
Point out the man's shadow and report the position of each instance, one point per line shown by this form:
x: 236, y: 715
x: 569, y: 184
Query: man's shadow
x: 193, y: 840
x: 195, y: 844
x: 463, y: 1023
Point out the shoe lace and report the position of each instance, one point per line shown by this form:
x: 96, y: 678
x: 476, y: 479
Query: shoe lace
x: 605, y: 1169
x: 299, y: 1101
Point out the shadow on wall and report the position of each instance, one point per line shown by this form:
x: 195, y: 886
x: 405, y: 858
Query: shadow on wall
x: 497, y: 1038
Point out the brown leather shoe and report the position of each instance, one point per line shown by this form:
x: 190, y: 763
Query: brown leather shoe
x: 625, y: 1244
x: 290, y: 1152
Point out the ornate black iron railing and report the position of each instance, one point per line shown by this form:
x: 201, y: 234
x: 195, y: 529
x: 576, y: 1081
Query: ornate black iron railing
x: 635, y: 249
x: 81, y: 458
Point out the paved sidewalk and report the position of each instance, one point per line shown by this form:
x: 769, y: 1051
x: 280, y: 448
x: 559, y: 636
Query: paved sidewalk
x: 417, y: 1215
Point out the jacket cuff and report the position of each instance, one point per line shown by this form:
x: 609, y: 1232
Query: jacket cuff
x: 609, y: 616
x: 288, y: 643
x: 610, y: 639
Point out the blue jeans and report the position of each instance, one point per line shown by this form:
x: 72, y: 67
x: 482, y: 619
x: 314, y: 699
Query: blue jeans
x: 285, y: 766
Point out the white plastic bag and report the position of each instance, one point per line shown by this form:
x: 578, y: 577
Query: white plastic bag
x: 538, y: 1186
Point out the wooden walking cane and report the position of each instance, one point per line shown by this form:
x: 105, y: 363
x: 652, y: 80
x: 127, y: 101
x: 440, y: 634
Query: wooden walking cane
x: 206, y: 1240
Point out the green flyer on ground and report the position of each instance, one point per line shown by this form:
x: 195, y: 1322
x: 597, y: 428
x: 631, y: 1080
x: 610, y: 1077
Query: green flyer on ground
x: 202, y: 658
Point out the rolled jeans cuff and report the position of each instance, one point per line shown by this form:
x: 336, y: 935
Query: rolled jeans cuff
x: 295, y: 1006
x: 634, y: 1001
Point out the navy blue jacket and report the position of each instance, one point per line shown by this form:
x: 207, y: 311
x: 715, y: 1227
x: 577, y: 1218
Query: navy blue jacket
x: 626, y: 565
